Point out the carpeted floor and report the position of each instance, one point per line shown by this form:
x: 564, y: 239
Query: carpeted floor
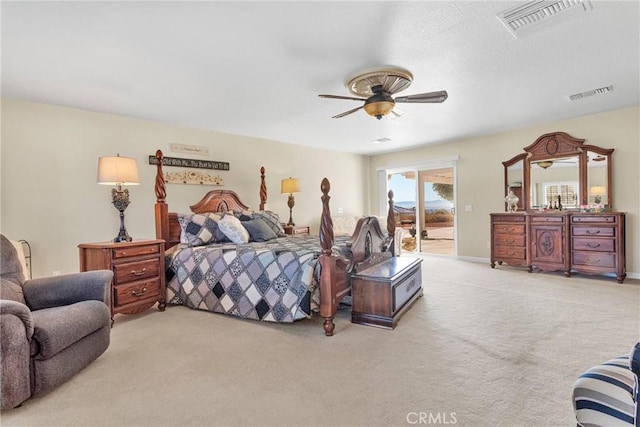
x: 483, y: 347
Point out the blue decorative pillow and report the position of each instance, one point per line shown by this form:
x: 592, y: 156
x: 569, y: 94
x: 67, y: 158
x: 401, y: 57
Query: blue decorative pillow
x: 200, y: 229
x: 272, y: 220
x: 258, y: 230
x: 233, y: 229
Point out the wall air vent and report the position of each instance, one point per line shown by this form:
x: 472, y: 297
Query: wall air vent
x: 381, y: 140
x: 599, y: 91
x: 523, y: 19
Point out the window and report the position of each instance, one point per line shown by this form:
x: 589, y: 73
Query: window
x: 566, y: 191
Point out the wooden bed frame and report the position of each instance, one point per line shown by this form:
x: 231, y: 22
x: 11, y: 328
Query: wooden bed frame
x: 368, y: 243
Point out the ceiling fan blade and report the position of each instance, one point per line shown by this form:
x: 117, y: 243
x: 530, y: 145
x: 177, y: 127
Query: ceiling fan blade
x: 392, y: 84
x: 346, y: 113
x: 395, y: 113
x: 429, y: 97
x: 342, y: 97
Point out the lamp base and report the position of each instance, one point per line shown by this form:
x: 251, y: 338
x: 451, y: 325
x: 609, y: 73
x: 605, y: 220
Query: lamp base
x: 121, y: 239
x: 122, y: 236
x: 291, y: 203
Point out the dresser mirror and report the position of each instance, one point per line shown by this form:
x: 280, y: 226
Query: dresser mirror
x: 558, y: 171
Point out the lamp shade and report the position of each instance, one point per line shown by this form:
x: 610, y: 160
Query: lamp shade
x: 117, y: 171
x: 598, y: 190
x: 290, y: 186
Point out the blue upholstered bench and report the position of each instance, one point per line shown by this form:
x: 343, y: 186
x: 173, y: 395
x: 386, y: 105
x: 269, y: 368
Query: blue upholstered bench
x: 607, y: 395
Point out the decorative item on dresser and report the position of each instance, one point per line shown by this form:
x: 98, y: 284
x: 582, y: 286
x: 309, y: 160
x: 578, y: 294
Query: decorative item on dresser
x: 273, y: 279
x: 560, y: 230
x: 138, y: 273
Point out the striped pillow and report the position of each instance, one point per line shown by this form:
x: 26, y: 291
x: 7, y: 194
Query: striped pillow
x: 604, y: 395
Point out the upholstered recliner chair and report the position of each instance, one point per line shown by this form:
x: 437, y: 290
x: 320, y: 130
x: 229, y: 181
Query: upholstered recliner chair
x: 50, y: 328
x: 606, y: 395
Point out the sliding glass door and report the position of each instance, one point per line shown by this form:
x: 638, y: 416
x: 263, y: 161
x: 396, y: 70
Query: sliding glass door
x: 424, y: 207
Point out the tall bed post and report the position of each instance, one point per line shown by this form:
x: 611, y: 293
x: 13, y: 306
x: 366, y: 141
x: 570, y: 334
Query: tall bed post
x: 263, y: 190
x: 328, y: 302
x: 161, y: 207
x: 391, y: 224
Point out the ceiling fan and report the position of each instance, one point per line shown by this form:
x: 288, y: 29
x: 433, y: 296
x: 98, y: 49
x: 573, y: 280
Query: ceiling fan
x: 376, y: 87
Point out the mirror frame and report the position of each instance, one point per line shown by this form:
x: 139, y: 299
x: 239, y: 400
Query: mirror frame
x: 558, y: 145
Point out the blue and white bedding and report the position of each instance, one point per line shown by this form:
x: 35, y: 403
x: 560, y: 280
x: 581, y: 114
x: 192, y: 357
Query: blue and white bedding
x: 274, y: 280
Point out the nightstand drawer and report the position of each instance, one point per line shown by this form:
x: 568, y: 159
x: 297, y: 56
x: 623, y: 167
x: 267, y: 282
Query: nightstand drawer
x: 138, y: 270
x: 136, y: 291
x: 135, y: 251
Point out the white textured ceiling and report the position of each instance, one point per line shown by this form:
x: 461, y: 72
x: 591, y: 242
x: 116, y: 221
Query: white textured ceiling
x: 256, y: 68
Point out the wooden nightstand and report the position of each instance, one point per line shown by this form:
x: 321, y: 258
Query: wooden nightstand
x: 295, y: 230
x: 138, y: 272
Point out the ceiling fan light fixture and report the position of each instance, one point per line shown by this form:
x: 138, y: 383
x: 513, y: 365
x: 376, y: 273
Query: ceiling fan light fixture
x: 545, y: 164
x: 378, y: 109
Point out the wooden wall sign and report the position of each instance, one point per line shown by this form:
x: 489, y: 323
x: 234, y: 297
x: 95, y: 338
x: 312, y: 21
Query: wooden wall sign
x: 190, y: 163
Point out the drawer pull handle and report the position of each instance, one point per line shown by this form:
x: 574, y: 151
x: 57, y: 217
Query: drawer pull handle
x: 139, y: 293
x: 593, y: 245
x: 593, y: 232
x: 139, y: 273
x: 592, y: 260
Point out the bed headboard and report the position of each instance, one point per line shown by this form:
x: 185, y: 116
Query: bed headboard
x: 167, y: 225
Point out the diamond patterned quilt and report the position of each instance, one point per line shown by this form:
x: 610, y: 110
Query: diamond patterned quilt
x: 270, y: 281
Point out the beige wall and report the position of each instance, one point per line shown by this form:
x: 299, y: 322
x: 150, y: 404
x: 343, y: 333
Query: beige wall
x: 480, y: 173
x: 49, y: 195
x: 49, y: 157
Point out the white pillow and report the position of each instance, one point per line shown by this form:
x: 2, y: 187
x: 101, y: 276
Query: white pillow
x: 233, y: 229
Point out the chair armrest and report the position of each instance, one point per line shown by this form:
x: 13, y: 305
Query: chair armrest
x: 68, y: 289
x: 21, y: 311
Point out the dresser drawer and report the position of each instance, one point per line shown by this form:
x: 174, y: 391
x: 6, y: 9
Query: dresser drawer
x: 593, y: 218
x: 548, y: 219
x: 135, y: 251
x: 509, y: 229
x: 513, y: 252
x: 595, y: 259
x: 509, y: 240
x: 131, y: 271
x: 508, y: 218
x: 136, y: 291
x: 593, y: 231
x: 587, y: 244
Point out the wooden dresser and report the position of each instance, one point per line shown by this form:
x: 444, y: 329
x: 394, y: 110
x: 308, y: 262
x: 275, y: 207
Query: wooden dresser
x: 598, y: 244
x: 509, y: 239
x: 138, y: 272
x: 549, y: 248
x: 589, y: 243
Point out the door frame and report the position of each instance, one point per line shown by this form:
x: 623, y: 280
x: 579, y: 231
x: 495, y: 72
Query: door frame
x: 444, y: 162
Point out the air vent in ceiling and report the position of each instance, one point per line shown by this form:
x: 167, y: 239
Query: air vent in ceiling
x: 599, y: 91
x: 522, y: 19
x: 381, y: 140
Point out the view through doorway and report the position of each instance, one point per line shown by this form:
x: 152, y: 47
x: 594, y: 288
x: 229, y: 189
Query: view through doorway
x: 431, y: 229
